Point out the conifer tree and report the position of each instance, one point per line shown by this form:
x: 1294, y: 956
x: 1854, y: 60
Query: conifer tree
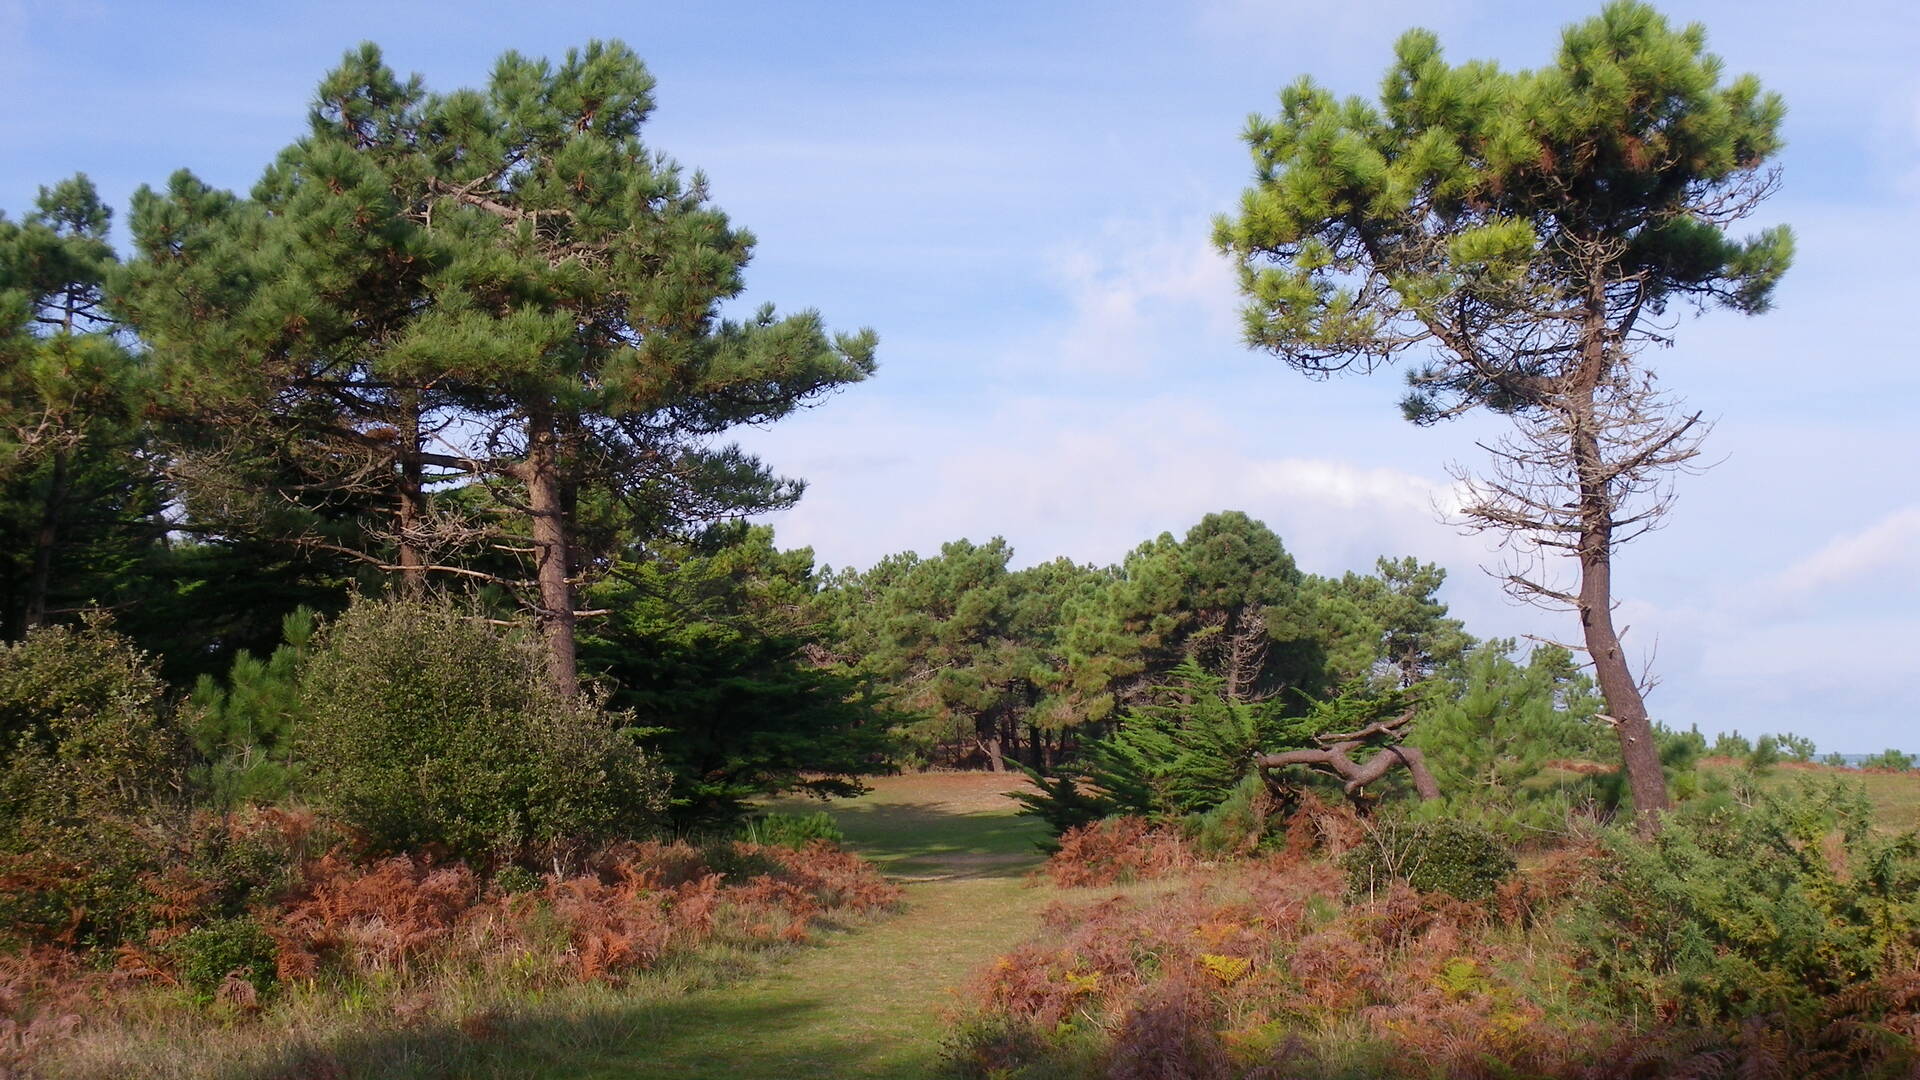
x: 503, y: 285
x: 69, y: 392
x: 1522, y: 234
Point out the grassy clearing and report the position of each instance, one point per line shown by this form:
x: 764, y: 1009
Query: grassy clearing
x: 873, y: 1002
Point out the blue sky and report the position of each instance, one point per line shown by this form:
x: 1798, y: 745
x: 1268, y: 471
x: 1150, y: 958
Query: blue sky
x: 1016, y: 197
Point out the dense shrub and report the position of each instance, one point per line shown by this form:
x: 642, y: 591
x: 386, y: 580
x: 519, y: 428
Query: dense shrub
x: 1271, y: 967
x: 90, y: 771
x: 428, y: 727
x: 1892, y: 760
x: 1731, y: 744
x: 212, y: 953
x: 82, y: 725
x: 1733, y: 912
x: 1513, y: 745
x: 1463, y: 860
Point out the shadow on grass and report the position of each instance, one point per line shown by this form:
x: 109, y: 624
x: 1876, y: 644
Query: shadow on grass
x: 931, y: 839
x: 704, y: 1037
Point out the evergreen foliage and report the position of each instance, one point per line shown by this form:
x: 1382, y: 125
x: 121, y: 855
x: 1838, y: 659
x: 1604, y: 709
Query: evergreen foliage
x: 244, y: 727
x: 1752, y: 911
x: 1459, y: 858
x: 90, y: 785
x: 1890, y: 759
x: 708, y: 645
x: 1186, y: 750
x: 508, y: 276
x: 1508, y: 741
x: 425, y: 726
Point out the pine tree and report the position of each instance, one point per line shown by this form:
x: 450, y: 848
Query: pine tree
x: 71, y: 476
x: 710, y: 644
x: 1522, y: 233
x: 504, y: 286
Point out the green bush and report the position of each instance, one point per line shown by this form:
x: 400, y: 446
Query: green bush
x: 81, y: 712
x: 1244, y: 823
x: 514, y: 880
x: 208, y: 953
x: 1795, y: 747
x: 792, y: 830
x: 90, y: 768
x: 1734, y: 912
x: 243, y: 727
x: 1499, y: 742
x: 1459, y: 858
x: 428, y: 727
x: 1896, y: 760
x: 1731, y: 744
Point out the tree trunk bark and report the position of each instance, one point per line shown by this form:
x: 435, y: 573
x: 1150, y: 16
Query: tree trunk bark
x: 412, y: 506
x: 552, y: 553
x: 1638, y: 751
x: 45, y: 540
x: 1645, y: 779
x: 996, y: 759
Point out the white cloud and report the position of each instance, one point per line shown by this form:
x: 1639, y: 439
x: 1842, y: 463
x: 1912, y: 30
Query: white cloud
x: 1139, y: 297
x: 1888, y: 550
x: 1060, y: 477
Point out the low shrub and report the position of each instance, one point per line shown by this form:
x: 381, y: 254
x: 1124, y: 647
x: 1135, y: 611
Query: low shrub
x: 1272, y: 967
x: 1116, y: 851
x: 1458, y: 858
x: 90, y: 769
x: 792, y: 830
x: 1890, y: 760
x: 211, y: 954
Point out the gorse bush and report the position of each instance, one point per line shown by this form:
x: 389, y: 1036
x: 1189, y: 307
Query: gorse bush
x: 1733, y: 912
x: 1463, y: 860
x: 427, y: 727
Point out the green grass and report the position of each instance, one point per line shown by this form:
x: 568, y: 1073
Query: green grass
x: 872, y: 1002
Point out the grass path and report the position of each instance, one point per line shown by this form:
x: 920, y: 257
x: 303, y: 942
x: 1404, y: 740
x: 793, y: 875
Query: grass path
x: 872, y: 1002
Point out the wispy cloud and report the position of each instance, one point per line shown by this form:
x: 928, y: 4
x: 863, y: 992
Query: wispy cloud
x: 1887, y: 551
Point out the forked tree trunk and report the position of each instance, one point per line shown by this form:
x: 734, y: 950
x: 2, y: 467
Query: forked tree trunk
x: 552, y: 553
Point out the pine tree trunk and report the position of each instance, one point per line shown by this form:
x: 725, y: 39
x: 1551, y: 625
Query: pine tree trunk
x: 45, y: 540
x: 552, y: 553
x: 1638, y: 752
x: 412, y: 506
x: 990, y: 742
